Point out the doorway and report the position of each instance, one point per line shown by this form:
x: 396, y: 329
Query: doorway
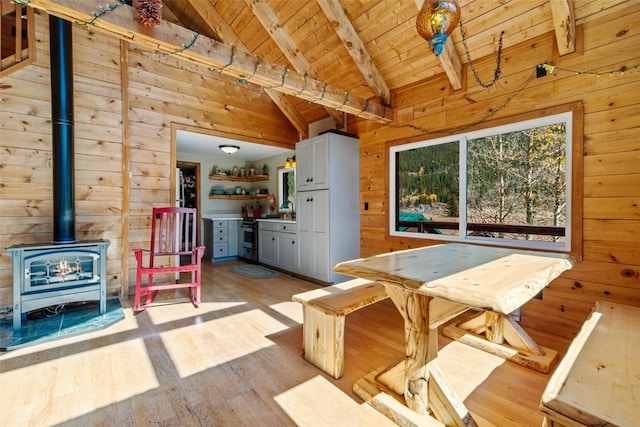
x: 188, y: 189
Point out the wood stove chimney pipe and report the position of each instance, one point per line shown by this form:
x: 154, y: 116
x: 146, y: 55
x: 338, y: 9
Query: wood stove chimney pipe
x: 61, y: 52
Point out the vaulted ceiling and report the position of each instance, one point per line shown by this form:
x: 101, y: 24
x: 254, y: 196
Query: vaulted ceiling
x: 368, y: 48
x: 320, y: 58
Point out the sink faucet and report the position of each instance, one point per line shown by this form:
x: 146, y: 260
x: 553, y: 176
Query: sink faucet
x: 286, y: 205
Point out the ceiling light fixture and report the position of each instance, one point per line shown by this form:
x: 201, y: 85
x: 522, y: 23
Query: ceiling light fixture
x: 436, y: 21
x: 229, y: 149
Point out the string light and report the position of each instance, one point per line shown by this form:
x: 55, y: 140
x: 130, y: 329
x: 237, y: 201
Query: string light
x: 624, y: 69
x: 484, y: 118
x: 231, y: 60
x: 103, y: 11
x: 321, y: 93
x: 547, y: 67
x: 255, y: 70
x: 285, y: 71
x: 304, y: 85
x: 184, y: 47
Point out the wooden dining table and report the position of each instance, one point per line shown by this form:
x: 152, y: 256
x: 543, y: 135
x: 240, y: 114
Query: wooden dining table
x: 432, y: 285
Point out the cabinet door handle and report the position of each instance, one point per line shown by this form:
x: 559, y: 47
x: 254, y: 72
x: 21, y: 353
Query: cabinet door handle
x: 273, y: 238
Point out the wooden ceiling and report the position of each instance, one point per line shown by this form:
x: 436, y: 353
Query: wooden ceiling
x: 369, y: 48
x: 339, y: 55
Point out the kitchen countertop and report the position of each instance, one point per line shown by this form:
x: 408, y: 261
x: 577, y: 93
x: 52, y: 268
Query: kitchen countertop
x: 221, y: 215
x: 236, y: 216
x: 287, y: 221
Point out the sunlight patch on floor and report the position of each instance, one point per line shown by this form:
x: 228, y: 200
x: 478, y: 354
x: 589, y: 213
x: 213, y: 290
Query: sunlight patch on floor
x: 454, y: 362
x: 290, y: 309
x: 74, y: 380
x: 210, y: 339
x: 318, y: 403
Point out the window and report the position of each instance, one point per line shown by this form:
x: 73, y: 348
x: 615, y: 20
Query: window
x: 18, y: 37
x: 508, y: 186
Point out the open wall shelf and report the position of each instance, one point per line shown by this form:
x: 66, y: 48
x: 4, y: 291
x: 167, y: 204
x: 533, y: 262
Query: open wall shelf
x: 234, y: 178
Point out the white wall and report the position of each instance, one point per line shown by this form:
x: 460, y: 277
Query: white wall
x: 228, y: 162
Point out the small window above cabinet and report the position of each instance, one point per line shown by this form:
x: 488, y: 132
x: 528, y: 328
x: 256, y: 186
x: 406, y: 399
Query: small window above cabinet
x: 286, y: 189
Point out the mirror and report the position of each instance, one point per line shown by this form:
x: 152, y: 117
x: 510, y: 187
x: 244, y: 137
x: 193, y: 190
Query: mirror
x: 286, y: 189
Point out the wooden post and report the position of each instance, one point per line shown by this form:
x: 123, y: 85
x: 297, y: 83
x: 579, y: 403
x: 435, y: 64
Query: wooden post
x: 414, y: 308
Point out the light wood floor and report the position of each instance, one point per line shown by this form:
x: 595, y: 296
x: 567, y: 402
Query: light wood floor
x: 236, y: 361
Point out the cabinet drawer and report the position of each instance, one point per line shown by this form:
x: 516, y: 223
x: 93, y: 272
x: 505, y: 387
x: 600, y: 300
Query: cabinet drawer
x: 268, y: 226
x: 220, y: 250
x: 217, y: 231
x: 220, y: 238
x: 286, y: 228
x: 220, y: 223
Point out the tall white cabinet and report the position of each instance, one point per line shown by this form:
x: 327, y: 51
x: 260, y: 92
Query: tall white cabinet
x: 327, y: 197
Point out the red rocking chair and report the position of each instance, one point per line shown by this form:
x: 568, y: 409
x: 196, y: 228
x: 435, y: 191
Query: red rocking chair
x: 173, y: 233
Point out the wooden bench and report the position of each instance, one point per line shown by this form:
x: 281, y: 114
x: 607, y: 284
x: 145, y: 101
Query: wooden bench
x: 597, y: 381
x: 324, y: 312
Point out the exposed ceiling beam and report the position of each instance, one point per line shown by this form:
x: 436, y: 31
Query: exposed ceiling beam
x: 283, y: 40
x: 564, y: 23
x: 168, y: 15
x: 227, y: 35
x: 170, y: 39
x: 339, y: 20
x: 449, y: 59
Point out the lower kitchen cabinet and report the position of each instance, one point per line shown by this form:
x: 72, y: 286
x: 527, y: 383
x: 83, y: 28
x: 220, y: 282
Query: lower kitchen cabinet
x: 221, y: 239
x: 287, y: 251
x: 267, y: 245
x: 278, y: 246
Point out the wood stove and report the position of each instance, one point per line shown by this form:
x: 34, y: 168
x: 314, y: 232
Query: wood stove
x: 53, y: 274
x: 64, y: 270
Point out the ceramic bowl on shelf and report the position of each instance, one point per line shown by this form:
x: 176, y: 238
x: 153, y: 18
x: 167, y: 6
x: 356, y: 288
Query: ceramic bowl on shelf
x: 217, y: 192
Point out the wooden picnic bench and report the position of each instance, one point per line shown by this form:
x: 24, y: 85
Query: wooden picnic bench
x: 324, y: 312
x: 597, y: 381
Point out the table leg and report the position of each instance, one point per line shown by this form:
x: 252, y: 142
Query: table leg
x: 414, y: 308
x: 425, y: 389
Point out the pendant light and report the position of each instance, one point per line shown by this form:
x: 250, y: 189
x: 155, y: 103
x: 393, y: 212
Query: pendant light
x: 436, y: 21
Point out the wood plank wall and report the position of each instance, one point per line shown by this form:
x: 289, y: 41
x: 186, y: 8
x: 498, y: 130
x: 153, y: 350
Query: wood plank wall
x: 163, y: 94
x: 166, y: 94
x: 610, y: 223
x: 25, y: 163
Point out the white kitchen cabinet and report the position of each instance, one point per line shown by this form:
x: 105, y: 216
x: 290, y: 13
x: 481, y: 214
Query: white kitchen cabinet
x: 313, y: 155
x: 223, y: 240
x: 278, y: 247
x: 327, y: 198
x: 287, y: 250
x: 233, y: 237
x: 267, y: 245
x: 313, y: 233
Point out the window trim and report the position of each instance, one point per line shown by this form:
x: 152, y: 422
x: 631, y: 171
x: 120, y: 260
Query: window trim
x: 575, y: 113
